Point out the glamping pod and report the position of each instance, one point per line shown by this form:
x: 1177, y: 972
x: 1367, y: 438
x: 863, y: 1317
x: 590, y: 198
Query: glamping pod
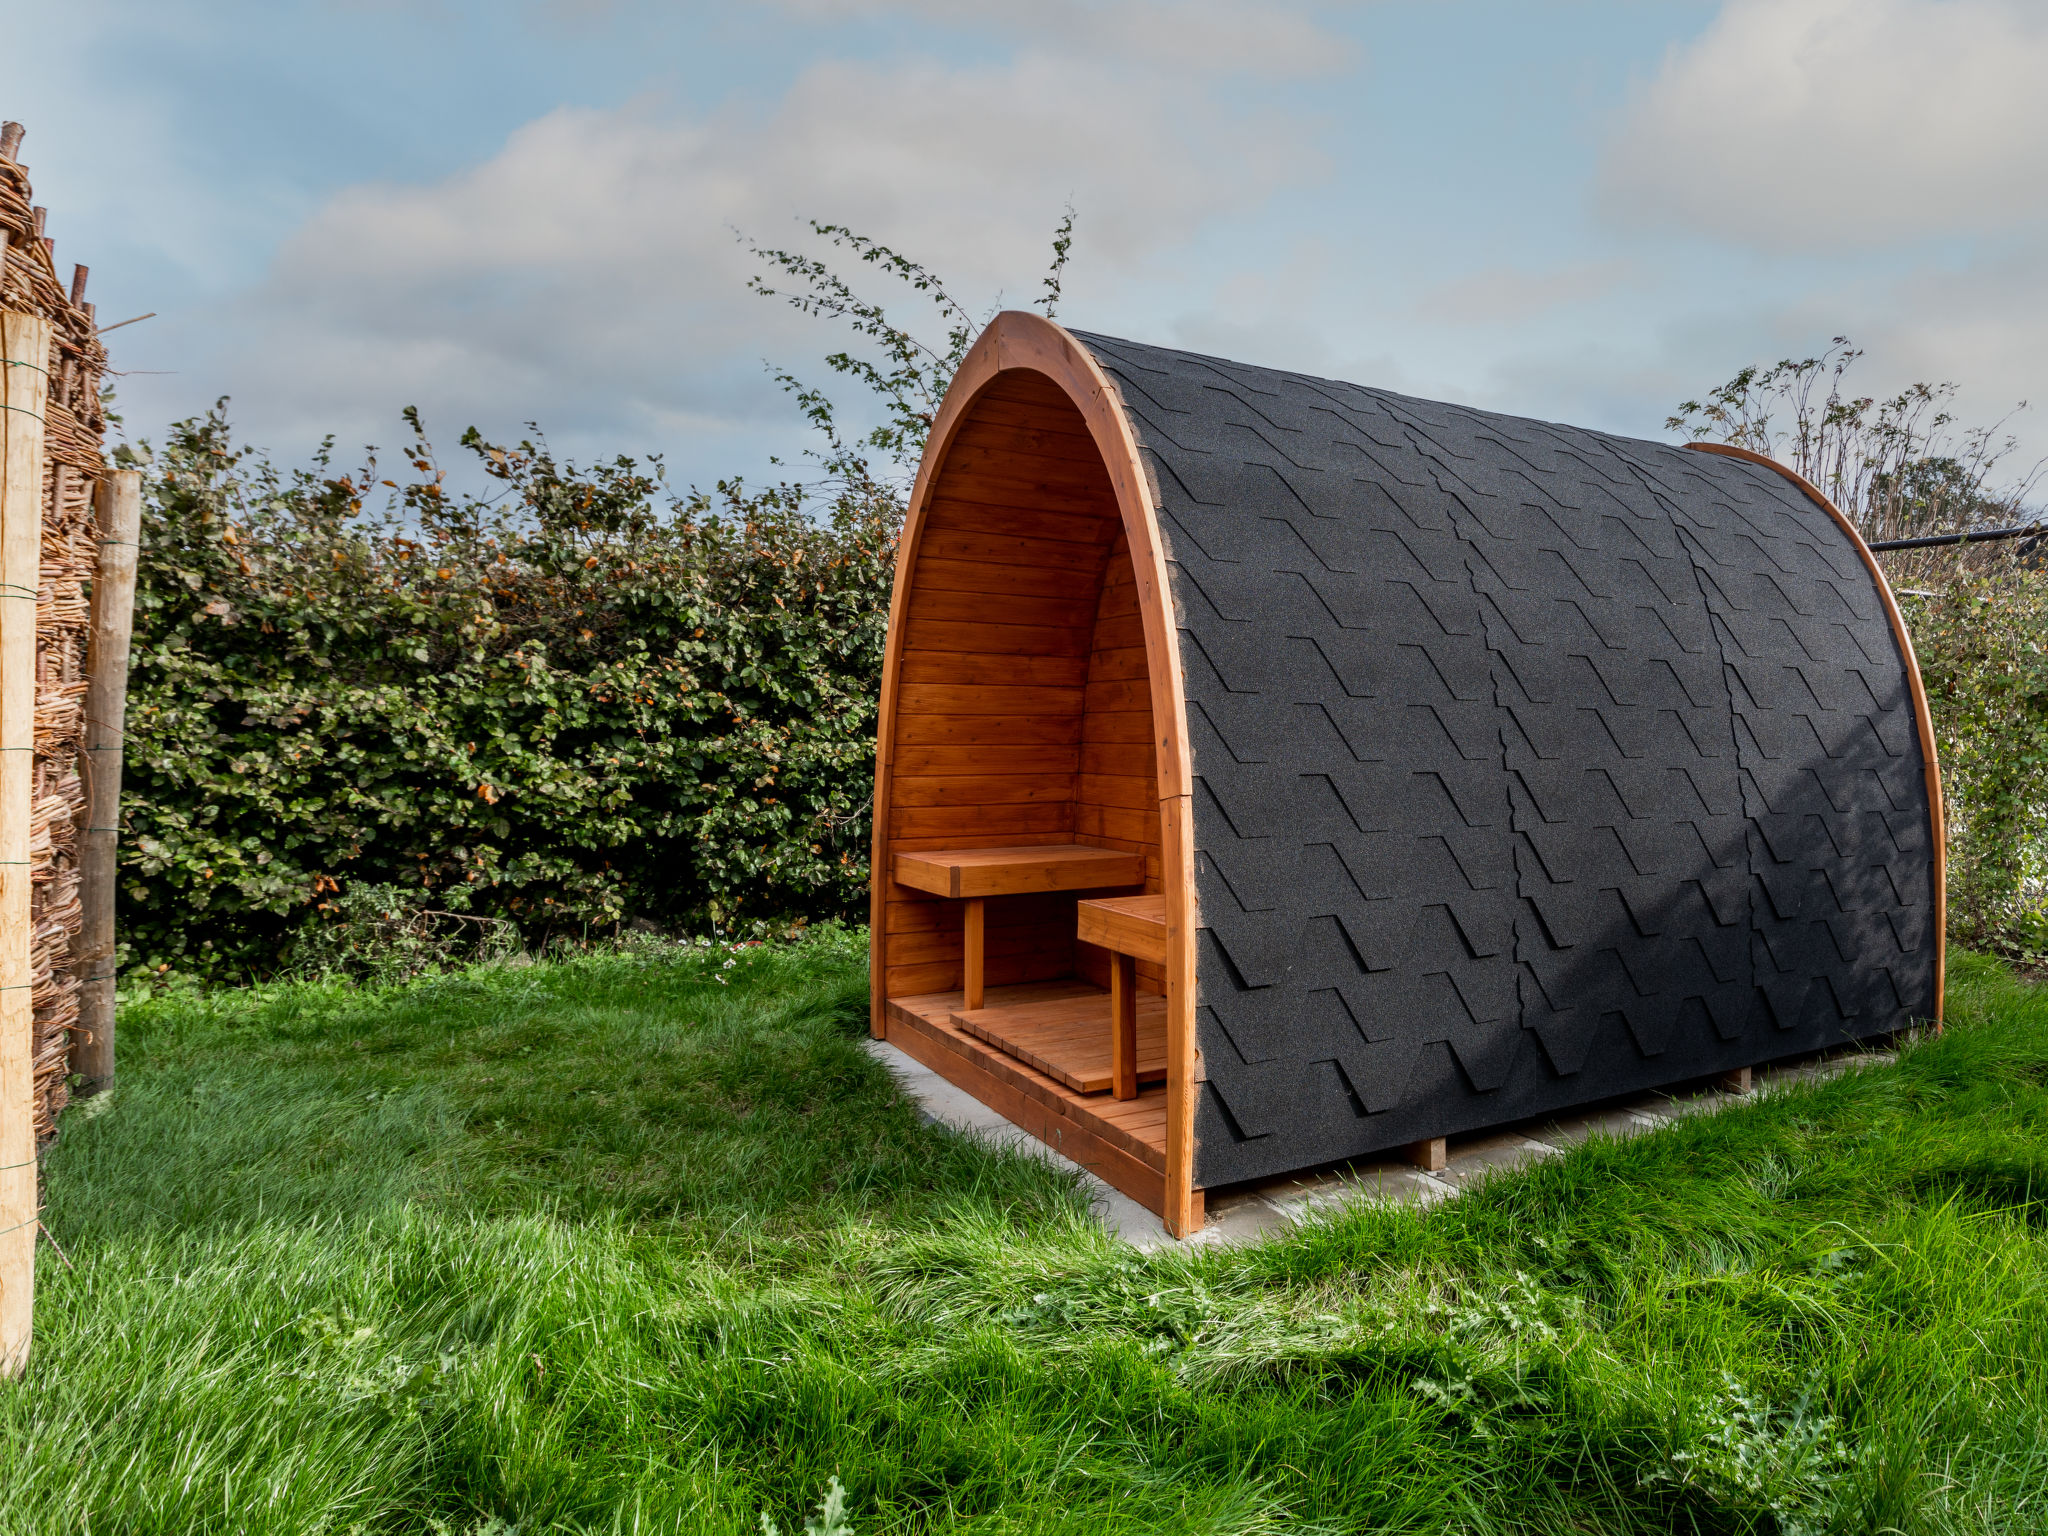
x: 1274, y: 771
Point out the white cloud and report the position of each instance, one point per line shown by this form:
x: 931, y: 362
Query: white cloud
x: 588, y: 273
x: 1226, y: 36
x: 1985, y: 327
x: 1811, y: 124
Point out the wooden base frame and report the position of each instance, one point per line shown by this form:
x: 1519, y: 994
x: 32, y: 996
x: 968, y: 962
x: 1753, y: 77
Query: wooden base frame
x: 1031, y: 693
x: 1122, y: 1142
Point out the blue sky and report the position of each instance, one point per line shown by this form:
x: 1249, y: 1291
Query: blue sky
x: 1578, y: 209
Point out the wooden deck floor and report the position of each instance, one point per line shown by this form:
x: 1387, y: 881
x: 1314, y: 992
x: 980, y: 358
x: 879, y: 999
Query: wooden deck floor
x: 1124, y: 1143
x: 1068, y: 1038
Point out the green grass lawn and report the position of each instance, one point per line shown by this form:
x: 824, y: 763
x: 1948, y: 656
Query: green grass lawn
x: 643, y: 1243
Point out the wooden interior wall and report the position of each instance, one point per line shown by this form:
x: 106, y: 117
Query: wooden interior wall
x: 997, y: 642
x: 1117, y: 793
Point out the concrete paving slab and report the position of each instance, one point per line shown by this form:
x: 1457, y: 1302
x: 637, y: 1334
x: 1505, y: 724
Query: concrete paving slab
x: 1619, y: 1123
x: 1255, y: 1212
x: 1475, y: 1157
x: 1822, y: 1069
x: 1233, y: 1220
x: 1705, y: 1101
x: 1300, y: 1197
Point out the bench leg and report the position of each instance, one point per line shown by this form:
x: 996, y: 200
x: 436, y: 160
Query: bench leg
x: 1123, y: 1026
x: 973, y: 952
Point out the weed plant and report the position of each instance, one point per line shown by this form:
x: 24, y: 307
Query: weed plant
x: 644, y: 1241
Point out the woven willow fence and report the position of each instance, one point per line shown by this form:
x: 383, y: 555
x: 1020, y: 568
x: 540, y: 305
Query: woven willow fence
x: 57, y: 493
x: 73, y: 425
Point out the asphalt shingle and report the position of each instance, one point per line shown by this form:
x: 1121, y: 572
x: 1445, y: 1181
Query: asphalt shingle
x: 1533, y: 765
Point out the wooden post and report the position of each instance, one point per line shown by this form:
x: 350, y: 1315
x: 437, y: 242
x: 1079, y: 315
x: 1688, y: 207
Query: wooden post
x: 972, y: 953
x: 1431, y: 1155
x: 1123, y: 1025
x: 117, y: 507
x: 24, y: 382
x: 1741, y: 1080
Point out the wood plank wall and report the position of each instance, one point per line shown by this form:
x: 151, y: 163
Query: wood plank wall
x: 998, y: 645
x: 1117, y: 793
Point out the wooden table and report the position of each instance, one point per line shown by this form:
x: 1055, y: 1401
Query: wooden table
x: 1131, y: 928
x: 974, y: 874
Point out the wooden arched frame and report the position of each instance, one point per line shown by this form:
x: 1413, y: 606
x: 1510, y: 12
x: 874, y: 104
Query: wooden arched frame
x: 1016, y: 341
x: 1922, y: 718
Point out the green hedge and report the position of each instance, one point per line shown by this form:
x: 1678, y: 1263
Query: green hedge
x: 579, y: 700
x: 1980, y: 629
x: 573, y: 702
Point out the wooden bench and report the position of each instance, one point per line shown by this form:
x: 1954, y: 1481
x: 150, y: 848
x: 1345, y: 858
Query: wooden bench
x: 974, y: 874
x: 1131, y: 928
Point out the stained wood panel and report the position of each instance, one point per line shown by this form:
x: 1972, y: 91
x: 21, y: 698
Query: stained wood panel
x: 994, y: 669
x: 992, y: 679
x: 1069, y: 1039
x: 1014, y: 576
x: 995, y: 730
x: 941, y: 575
x: 972, y: 823
x: 968, y: 544
x: 1134, y: 925
x: 1116, y: 782
x: 949, y: 635
x: 959, y: 605
x: 1123, y: 1143
x: 1065, y: 518
x: 1029, y: 870
x: 987, y: 789
x: 916, y: 762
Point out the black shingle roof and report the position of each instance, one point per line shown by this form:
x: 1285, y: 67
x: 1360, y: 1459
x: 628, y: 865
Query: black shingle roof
x: 1532, y: 765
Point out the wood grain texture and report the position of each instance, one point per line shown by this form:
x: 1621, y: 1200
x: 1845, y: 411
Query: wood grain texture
x: 24, y: 349
x: 995, y: 668
x: 985, y: 789
x: 1123, y: 1028
x: 1071, y: 1040
x: 1431, y: 1156
x: 964, y: 872
x: 1116, y: 791
x: 973, y: 951
x: 1135, y: 1127
x: 1922, y: 717
x: 1183, y: 1213
x: 1128, y: 925
x: 118, y: 508
x: 980, y: 820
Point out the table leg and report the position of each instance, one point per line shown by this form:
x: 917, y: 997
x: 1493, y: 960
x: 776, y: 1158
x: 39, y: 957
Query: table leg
x: 1123, y: 1026
x: 973, y: 952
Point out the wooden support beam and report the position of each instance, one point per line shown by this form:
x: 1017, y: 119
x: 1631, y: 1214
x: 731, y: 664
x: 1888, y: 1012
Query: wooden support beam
x: 24, y: 382
x: 1741, y: 1080
x: 117, y: 509
x: 1431, y: 1156
x: 1123, y: 1026
x: 973, y: 951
